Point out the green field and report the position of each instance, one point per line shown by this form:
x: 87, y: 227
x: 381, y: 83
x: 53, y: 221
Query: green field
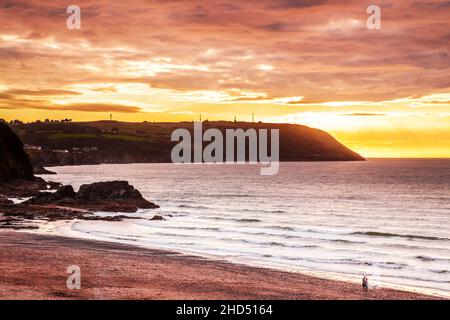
x: 122, y: 137
x: 110, y: 136
x: 58, y: 136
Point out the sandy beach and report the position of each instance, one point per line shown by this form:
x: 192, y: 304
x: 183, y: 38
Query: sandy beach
x: 34, y: 267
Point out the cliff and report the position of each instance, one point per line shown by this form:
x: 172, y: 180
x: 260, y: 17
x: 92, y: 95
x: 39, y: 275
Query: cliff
x: 14, y: 162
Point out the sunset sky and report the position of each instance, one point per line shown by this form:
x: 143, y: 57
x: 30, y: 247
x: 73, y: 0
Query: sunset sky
x: 383, y: 93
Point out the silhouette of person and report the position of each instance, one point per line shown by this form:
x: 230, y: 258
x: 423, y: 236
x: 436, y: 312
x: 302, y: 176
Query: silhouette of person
x: 365, y: 283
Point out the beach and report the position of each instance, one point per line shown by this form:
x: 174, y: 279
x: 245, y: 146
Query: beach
x: 383, y: 218
x: 35, y: 266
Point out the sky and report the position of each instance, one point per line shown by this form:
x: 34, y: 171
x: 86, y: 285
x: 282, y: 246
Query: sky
x: 382, y: 92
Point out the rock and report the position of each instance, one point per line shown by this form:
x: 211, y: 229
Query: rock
x: 21, y: 216
x: 41, y: 170
x: 112, y: 196
x: 116, y: 196
x: 16, y: 223
x: 25, y: 188
x: 14, y: 162
x: 109, y: 218
x: 16, y: 171
x: 64, y: 195
x: 157, y: 217
x: 5, y: 200
x: 50, y: 213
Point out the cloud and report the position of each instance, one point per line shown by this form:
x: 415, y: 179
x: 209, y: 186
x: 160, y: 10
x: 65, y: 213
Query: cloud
x: 299, y: 3
x: 97, y: 107
x: 44, y: 92
x: 364, y: 114
x: 10, y: 102
x: 319, y: 49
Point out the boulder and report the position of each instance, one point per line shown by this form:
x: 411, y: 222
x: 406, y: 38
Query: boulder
x: 112, y: 196
x: 63, y: 195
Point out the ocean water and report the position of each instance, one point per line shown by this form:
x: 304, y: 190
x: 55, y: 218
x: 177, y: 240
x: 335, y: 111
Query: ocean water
x: 388, y: 219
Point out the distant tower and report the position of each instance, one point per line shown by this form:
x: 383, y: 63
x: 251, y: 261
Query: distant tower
x: 234, y: 118
x: 200, y: 117
x: 110, y: 116
x: 253, y: 117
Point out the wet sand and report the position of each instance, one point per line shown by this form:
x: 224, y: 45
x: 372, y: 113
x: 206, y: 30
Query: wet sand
x: 34, y: 267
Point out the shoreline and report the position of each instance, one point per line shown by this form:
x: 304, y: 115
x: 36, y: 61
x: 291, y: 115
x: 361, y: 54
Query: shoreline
x: 64, y: 230
x: 325, y: 275
x: 34, y: 267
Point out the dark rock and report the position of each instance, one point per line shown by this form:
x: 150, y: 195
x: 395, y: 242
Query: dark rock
x: 25, y: 188
x: 14, y: 162
x: 16, y: 224
x: 50, y: 213
x: 65, y: 192
x: 112, y: 196
x: 16, y: 171
x: 157, y: 217
x: 109, y: 218
x: 64, y: 195
x: 41, y: 170
x: 21, y: 216
x: 116, y: 196
x: 5, y: 200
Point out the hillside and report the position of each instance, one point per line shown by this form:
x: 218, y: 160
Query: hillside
x: 50, y: 144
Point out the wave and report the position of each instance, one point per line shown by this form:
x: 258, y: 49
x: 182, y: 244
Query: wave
x: 232, y: 219
x: 195, y: 228
x: 392, y: 265
x: 396, y: 235
x: 425, y: 258
x: 346, y: 241
x: 248, y: 220
x: 441, y: 271
x: 260, y: 210
x: 187, y: 206
x: 283, y: 228
x: 430, y: 259
x: 344, y: 261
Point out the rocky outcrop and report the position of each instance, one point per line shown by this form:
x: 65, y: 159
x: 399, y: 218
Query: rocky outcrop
x: 66, y: 204
x: 14, y: 163
x: 16, y: 171
x: 112, y: 196
x: 17, y: 180
x: 42, y: 170
x: 5, y: 200
x: 26, y: 216
x: 25, y: 188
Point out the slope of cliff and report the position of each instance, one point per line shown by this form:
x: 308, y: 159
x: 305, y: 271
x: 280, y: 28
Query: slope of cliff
x: 14, y: 162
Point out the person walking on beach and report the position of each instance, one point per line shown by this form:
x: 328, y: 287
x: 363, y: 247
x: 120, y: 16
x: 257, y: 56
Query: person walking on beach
x: 365, y: 283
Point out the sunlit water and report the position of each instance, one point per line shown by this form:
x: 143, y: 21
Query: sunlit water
x: 388, y: 219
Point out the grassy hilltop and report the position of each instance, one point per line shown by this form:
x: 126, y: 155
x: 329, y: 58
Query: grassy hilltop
x: 76, y: 143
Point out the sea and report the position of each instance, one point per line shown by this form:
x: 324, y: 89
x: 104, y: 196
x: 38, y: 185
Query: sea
x: 388, y: 219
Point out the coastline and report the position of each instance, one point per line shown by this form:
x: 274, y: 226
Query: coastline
x: 34, y: 267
